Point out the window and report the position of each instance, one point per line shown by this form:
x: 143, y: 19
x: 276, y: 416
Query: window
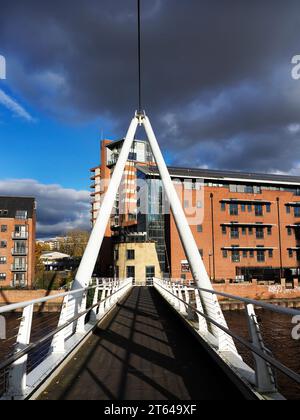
x: 20, y: 247
x: 291, y: 254
x: 3, y: 244
x: 116, y: 254
x: 288, y: 209
x: 260, y: 233
x: 2, y: 276
x: 199, y: 228
x: 235, y: 233
x: 258, y: 210
x: 183, y: 276
x: 251, y: 254
x: 199, y: 205
x: 20, y: 264
x: 225, y: 253
x: 117, y: 271
x: 223, y: 206
x: 261, y: 256
x: 249, y: 189
x: 236, y: 256
x: 269, y: 230
x: 20, y: 232
x: 21, y: 214
x: 130, y: 272
x: 271, y: 253
x: 268, y: 208
x: 3, y: 228
x: 234, y: 210
x: 250, y: 208
x: 243, y: 208
x: 250, y: 231
x: 289, y: 231
x: 130, y: 255
x: 245, y: 254
x: 150, y: 272
x: 297, y: 211
x: 19, y: 280
x: 186, y: 204
x: 224, y: 230
x: 3, y: 260
x: 244, y: 231
x: 132, y: 156
x: 3, y: 212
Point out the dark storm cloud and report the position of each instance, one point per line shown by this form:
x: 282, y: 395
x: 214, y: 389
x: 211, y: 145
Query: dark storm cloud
x: 58, y: 209
x: 217, y: 73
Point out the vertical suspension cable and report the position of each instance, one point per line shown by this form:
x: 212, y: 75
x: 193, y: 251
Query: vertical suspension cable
x: 140, y: 106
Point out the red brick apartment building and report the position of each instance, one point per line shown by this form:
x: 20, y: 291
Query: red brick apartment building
x: 249, y: 225
x: 17, y: 241
x: 125, y: 209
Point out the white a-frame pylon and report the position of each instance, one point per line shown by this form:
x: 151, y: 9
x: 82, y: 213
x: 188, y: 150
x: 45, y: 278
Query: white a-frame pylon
x: 210, y: 303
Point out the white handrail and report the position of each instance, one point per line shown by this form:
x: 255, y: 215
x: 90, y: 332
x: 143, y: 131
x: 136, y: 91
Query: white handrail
x: 265, y: 380
x: 70, y: 332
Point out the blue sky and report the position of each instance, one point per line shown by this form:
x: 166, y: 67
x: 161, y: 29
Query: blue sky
x: 46, y: 149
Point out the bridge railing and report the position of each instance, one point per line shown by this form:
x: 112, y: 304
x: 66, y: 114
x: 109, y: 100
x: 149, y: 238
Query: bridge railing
x: 186, y: 300
x: 38, y: 341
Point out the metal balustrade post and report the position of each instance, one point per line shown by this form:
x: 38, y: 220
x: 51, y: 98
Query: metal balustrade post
x: 176, y: 303
x: 109, y: 297
x: 58, y: 342
x: 95, y: 301
x: 80, y: 329
x: 189, y: 311
x: 18, y: 371
x: 103, y: 297
x: 182, y: 307
x: 203, y: 329
x: 265, y: 380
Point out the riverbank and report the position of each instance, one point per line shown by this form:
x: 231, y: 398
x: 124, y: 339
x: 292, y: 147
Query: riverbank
x: 286, y: 295
x: 8, y: 297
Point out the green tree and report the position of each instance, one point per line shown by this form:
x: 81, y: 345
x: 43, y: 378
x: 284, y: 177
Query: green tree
x: 74, y: 243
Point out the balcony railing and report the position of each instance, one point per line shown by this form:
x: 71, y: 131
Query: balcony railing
x: 19, y: 268
x: 20, y: 235
x: 19, y: 251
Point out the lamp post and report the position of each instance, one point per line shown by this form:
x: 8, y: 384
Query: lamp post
x: 210, y: 271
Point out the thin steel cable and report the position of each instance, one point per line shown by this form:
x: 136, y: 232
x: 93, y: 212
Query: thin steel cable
x: 140, y: 108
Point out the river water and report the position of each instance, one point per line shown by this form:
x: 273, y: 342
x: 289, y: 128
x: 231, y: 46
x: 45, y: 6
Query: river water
x: 277, y: 334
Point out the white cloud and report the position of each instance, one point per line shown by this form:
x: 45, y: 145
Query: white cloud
x: 58, y: 209
x: 14, y: 107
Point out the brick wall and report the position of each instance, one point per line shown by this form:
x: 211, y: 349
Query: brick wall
x: 8, y: 297
x: 258, y: 292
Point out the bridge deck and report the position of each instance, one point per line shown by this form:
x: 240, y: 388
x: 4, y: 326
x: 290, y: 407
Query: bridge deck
x: 142, y: 353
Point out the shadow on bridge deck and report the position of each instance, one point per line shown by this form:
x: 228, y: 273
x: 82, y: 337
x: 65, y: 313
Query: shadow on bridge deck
x: 142, y: 353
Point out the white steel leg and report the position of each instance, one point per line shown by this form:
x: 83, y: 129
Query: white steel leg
x: 199, y: 272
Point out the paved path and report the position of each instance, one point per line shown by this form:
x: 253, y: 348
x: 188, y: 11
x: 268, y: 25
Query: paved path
x: 142, y: 353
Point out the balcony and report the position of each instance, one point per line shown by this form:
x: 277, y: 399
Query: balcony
x: 19, y: 268
x: 20, y: 251
x: 20, y: 235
